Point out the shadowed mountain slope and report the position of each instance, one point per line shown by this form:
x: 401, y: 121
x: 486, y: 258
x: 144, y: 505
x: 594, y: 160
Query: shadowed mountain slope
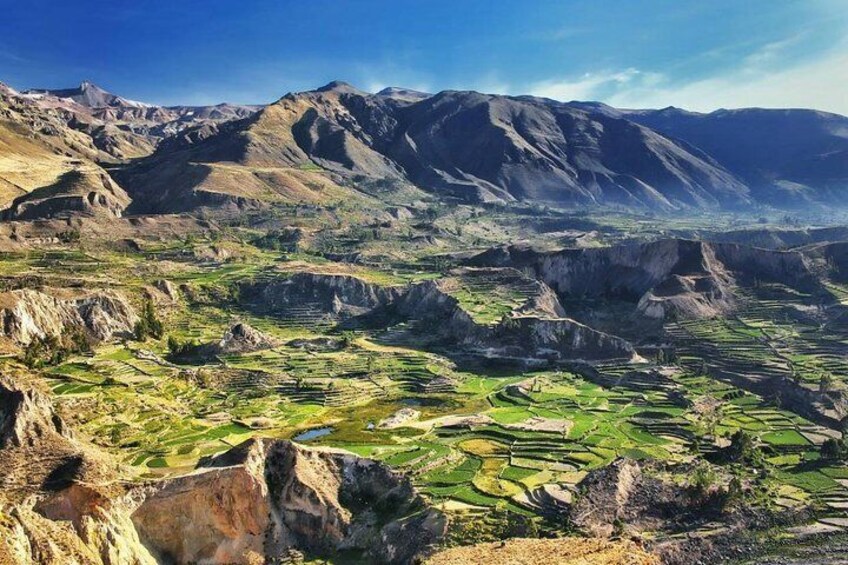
x: 797, y: 156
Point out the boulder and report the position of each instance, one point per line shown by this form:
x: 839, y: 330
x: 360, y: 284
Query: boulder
x: 242, y: 338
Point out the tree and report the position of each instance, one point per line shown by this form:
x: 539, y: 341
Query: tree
x: 53, y: 350
x: 742, y: 446
x: 832, y: 450
x: 348, y: 338
x: 703, y: 481
x: 174, y: 345
x: 148, y: 324
x: 734, y: 493
x: 179, y: 348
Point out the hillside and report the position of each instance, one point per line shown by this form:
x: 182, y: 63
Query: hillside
x: 48, y: 169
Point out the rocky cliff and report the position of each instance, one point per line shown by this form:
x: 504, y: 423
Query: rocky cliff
x: 60, y: 501
x: 264, y: 498
x: 535, y: 329
x: 668, y: 277
x: 27, y: 314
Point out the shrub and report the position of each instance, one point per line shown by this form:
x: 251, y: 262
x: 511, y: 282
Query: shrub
x: 703, y: 481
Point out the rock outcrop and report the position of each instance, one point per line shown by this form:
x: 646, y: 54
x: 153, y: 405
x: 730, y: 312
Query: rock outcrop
x: 242, y: 338
x: 28, y: 314
x: 536, y: 328
x: 631, y: 497
x: 329, y: 297
x: 262, y: 498
x: 214, y: 515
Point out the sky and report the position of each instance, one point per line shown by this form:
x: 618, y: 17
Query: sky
x: 695, y: 54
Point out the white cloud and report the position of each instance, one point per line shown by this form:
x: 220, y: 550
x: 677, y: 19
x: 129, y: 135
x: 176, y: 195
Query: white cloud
x: 819, y: 84
x: 590, y: 86
x: 378, y: 85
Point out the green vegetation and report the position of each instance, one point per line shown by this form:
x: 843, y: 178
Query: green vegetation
x: 50, y: 349
x: 481, y: 440
x: 148, y: 325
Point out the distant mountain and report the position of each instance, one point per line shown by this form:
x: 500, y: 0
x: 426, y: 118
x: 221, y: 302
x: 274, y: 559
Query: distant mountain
x: 55, y: 144
x: 90, y: 95
x: 48, y: 169
x: 465, y: 145
x: 123, y: 128
x: 784, y: 156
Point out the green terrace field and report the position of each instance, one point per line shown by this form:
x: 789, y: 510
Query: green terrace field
x: 775, y: 335
x: 489, y: 295
x: 470, y: 438
x: 472, y: 441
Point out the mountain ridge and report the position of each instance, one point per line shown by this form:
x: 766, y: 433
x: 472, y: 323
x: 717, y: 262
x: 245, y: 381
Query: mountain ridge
x: 460, y: 145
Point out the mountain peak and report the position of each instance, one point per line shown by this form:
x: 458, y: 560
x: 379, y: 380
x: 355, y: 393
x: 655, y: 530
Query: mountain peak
x: 340, y: 87
x: 90, y: 95
x: 401, y: 93
x: 88, y: 86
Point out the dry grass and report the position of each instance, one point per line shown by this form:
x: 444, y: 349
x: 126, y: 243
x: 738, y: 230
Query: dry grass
x: 273, y: 184
x: 563, y: 551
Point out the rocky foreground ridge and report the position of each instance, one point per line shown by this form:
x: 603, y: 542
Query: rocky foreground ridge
x: 64, y: 502
x: 273, y: 501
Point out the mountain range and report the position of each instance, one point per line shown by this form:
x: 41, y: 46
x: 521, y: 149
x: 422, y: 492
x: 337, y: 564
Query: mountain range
x: 326, y: 144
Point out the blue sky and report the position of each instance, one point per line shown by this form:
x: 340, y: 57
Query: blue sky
x: 700, y: 55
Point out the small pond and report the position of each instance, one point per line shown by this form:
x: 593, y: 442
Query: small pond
x: 314, y: 433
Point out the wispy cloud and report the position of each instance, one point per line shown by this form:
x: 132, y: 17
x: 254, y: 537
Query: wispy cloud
x: 378, y: 85
x: 591, y: 86
x: 558, y: 34
x: 8, y: 55
x: 767, y: 76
